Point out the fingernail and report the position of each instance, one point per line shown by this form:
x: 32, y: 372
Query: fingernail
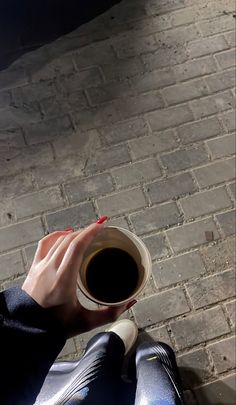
x: 69, y: 229
x: 131, y: 304
x: 102, y: 219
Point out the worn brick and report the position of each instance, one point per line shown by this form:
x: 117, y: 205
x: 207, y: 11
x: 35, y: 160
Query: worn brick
x: 62, y: 66
x: 139, y: 104
x: 184, y: 91
x: 171, y: 188
x: 221, y: 81
x: 10, y: 265
x: 155, y: 335
x: 81, y: 144
x: 82, y: 80
x: 53, y: 107
x: 30, y: 253
x: 34, y: 92
x: 212, y: 104
x: 107, y: 92
x: 180, y: 268
x: 199, y: 328
x: 177, y: 36
x: 212, y: 289
x: 121, y: 222
x: 222, y: 146
x: 123, y: 201
x: 128, y: 47
x: 15, y: 160
x: 123, y: 131
x: 94, y: 54
x: 184, y: 159
x: 162, y: 6
x: 157, y: 246
x: 136, y: 173
x: 229, y: 120
x: 11, y: 138
x: 96, y: 117
x: 20, y: 234
x: 122, y: 69
x: 160, y: 307
x: 75, y: 217
x: 48, y: 130
x: 191, y: 235
x: 5, y: 98
x: 218, y: 392
x: 232, y: 188
x: 231, y: 308
x: 158, y: 142
x: 11, y: 186
x: 165, y: 56
x: 223, y: 354
x: 107, y: 158
x: 219, y: 257
x: 226, y: 59
x: 183, y: 16
x: 37, y: 202
x: 169, y: 117
x: 199, y: 47
x: 191, y: 69
x: 194, y: 367
x: 227, y: 222
x: 205, y: 203
x: 215, y: 173
x: 83, y: 189
x: 152, y: 80
x: 156, y: 218
x: 230, y: 38
x: 7, y: 212
x: 199, y: 130
x: 215, y: 26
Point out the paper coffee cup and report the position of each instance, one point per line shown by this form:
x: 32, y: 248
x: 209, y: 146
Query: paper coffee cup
x: 115, y: 237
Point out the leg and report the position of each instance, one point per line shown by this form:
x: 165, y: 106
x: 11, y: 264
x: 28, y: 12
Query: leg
x: 157, y: 375
x: 94, y: 379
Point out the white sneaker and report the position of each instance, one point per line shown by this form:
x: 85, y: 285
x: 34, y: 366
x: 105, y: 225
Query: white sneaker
x: 126, y: 330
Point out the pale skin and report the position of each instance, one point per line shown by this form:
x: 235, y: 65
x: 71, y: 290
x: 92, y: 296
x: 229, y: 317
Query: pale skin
x: 52, y: 280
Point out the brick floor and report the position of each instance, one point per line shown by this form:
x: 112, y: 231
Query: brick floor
x: 132, y: 115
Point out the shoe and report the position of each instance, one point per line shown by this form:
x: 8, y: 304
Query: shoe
x: 127, y: 332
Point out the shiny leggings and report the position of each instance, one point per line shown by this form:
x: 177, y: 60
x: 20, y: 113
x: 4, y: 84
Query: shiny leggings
x: 95, y: 379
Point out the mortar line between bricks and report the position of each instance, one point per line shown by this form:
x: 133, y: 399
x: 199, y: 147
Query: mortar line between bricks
x: 211, y: 361
x: 227, y: 315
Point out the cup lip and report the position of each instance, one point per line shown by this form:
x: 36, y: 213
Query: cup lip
x: 142, y: 286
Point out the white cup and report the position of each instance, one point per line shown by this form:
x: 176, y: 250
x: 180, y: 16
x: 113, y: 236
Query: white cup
x: 115, y: 237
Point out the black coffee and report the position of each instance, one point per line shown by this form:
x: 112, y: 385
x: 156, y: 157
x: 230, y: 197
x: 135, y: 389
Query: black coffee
x: 112, y: 275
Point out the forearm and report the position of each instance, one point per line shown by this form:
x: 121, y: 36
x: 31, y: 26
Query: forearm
x: 30, y: 340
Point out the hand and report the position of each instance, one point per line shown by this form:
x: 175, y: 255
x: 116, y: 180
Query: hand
x: 52, y: 280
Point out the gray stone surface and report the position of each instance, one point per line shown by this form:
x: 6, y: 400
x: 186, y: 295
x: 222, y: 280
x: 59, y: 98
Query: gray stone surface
x: 195, y: 367
x: 135, y: 111
x: 223, y: 354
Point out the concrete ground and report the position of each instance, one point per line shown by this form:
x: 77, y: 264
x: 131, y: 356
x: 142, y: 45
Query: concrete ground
x: 132, y: 116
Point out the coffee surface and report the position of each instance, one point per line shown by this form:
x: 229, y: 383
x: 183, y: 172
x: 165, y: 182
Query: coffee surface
x: 112, y: 275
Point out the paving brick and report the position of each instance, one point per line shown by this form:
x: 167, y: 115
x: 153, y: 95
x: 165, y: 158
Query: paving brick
x: 218, y: 392
x: 191, y: 69
x: 94, y: 54
x: 232, y: 188
x: 121, y: 202
x: 62, y: 66
x: 148, y: 145
x: 82, y: 80
x: 219, y: 257
x: 83, y: 189
x: 222, y: 146
x: 171, y: 188
x: 157, y: 245
x: 215, y: 173
x: 230, y: 38
x: 107, y: 92
x: 226, y: 59
x: 75, y: 217
x: 169, y: 117
x: 136, y: 173
x: 11, y: 186
x: 183, y: 16
x: 139, y: 104
x: 5, y: 98
x: 13, y: 77
x: 121, y: 222
x: 30, y: 253
x: 223, y: 354
x: 177, y: 36
x: 199, y: 130
x: 165, y: 56
x: 199, y: 47
x: 122, y: 69
x: 12, y: 138
x: 194, y: 368
x: 10, y: 265
x: 123, y: 131
x: 160, y: 307
x: 15, y: 160
x: 152, y: 80
x: 231, y: 307
x: 34, y: 92
x: 20, y: 234
x: 128, y: 47
x: 221, y: 81
x: 184, y: 92
x: 156, y: 335
x: 212, y: 289
x: 227, y: 222
x: 7, y: 212
x: 37, y: 202
x: 212, y: 104
x: 215, y: 26
x: 229, y: 120
x: 180, y: 268
x: 107, y: 158
x: 199, y: 328
x: 53, y: 107
x: 156, y: 218
x: 205, y: 202
x: 162, y: 6
x: 47, y: 130
x: 191, y: 235
x: 185, y: 158
x: 96, y: 117
x: 81, y: 144
x: 59, y: 171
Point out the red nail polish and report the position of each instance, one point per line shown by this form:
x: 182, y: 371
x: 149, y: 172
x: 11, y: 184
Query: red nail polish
x: 69, y: 229
x: 102, y: 219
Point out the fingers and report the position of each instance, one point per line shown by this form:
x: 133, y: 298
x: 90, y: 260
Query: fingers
x: 47, y: 243
x: 59, y: 249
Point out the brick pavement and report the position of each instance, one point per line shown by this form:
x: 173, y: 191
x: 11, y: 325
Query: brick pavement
x: 132, y: 116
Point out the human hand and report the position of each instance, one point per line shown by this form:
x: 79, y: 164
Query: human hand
x: 52, y: 280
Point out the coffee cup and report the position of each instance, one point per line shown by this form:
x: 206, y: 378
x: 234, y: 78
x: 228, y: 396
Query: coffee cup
x: 115, y: 268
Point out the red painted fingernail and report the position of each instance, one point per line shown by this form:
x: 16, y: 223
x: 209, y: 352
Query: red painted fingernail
x: 131, y: 304
x: 69, y: 229
x: 102, y: 219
